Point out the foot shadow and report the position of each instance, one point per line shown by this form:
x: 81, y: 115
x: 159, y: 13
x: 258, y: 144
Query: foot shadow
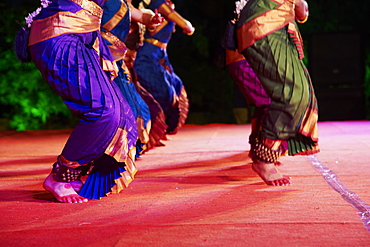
x: 39, y: 196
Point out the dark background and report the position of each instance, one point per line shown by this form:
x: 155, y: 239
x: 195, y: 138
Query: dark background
x: 336, y: 39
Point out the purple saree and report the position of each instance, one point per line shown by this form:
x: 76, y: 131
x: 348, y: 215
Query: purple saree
x: 67, y: 48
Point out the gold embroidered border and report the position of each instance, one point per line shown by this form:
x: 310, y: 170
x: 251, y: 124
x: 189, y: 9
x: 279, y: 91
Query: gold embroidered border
x: 118, y: 48
x: 90, y: 6
x: 156, y: 43
x: 118, y: 147
x: 61, y: 23
x: 297, y: 39
x: 233, y: 57
x: 265, y: 24
x: 116, y: 18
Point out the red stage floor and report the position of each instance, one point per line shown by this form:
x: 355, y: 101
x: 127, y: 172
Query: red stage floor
x: 198, y: 190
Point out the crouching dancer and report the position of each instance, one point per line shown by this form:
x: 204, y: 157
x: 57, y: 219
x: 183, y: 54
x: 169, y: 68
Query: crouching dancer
x: 269, y: 39
x: 66, y: 46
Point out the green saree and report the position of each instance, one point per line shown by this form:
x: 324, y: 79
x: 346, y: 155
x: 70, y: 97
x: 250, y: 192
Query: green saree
x: 269, y: 39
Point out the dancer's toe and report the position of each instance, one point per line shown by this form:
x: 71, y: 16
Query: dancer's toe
x: 282, y: 182
x: 72, y: 199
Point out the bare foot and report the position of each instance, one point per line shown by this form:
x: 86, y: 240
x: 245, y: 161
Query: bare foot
x: 63, y: 192
x: 270, y: 174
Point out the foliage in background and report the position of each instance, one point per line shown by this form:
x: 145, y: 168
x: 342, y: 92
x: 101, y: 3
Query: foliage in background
x: 30, y: 102
x: 26, y: 100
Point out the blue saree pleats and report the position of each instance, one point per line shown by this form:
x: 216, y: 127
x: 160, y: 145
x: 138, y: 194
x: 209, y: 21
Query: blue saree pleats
x: 107, y: 176
x: 158, y: 119
x: 73, y: 69
x: 138, y: 105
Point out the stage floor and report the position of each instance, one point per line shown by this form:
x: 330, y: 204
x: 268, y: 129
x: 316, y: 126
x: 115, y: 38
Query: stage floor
x: 198, y: 190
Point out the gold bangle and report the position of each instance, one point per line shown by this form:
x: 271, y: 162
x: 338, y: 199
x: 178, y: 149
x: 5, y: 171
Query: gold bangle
x: 304, y: 20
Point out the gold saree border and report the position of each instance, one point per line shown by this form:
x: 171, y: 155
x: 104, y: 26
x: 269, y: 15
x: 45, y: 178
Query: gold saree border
x: 116, y: 18
x: 267, y: 23
x: 117, y: 47
x: 62, y: 23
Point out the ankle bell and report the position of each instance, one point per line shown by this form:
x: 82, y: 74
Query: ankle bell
x: 266, y: 154
x: 68, y: 171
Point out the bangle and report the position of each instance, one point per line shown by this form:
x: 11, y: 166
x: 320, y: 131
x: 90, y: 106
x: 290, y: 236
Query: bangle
x: 304, y: 20
x: 151, y: 29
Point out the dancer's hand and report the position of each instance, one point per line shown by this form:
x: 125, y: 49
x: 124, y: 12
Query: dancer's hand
x: 301, y: 10
x: 188, y: 29
x: 157, y: 18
